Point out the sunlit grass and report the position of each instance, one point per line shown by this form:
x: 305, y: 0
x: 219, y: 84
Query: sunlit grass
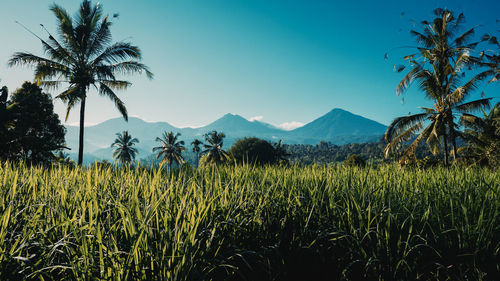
x: 247, y: 223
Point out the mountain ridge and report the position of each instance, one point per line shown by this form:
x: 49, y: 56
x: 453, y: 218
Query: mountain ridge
x: 338, y: 126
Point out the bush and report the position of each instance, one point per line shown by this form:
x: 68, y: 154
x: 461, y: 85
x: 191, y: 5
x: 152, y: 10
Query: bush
x: 354, y: 160
x: 254, y: 151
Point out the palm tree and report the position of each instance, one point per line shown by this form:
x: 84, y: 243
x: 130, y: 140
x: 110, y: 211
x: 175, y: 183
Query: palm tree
x: 64, y: 159
x: 171, y: 149
x: 84, y: 56
x: 280, y: 153
x: 213, y: 148
x: 124, y: 151
x: 438, y: 67
x: 483, y: 137
x: 196, y: 149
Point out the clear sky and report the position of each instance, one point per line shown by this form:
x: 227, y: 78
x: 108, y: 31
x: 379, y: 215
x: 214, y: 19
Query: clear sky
x: 276, y: 61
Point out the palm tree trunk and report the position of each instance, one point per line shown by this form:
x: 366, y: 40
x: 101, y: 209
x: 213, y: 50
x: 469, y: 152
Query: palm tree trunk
x: 454, y: 143
x: 453, y: 135
x: 445, y: 150
x: 80, y: 141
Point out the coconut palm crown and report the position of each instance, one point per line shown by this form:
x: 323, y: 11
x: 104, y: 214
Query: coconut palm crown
x: 196, y: 148
x: 170, y: 149
x: 83, y: 56
x: 213, y: 148
x: 124, y: 147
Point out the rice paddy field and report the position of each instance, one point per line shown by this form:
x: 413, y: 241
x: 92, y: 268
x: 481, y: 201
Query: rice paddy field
x: 249, y: 223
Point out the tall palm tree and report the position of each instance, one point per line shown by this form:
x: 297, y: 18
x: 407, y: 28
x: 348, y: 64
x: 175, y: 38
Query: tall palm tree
x: 213, y: 147
x: 84, y: 56
x: 196, y: 149
x: 124, y: 150
x: 171, y: 149
x: 483, y: 137
x: 438, y: 67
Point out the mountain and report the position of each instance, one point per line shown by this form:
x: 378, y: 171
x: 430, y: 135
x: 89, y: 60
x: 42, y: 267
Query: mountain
x: 337, y: 126
x: 337, y: 123
x: 235, y: 126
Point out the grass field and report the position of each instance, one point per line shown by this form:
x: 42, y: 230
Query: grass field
x: 246, y: 223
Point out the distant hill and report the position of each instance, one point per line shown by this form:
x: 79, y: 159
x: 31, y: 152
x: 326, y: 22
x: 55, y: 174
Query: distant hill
x: 235, y: 126
x: 338, y: 123
x: 337, y: 126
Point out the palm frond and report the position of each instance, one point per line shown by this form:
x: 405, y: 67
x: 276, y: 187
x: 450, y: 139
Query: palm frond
x: 412, y: 148
x: 104, y: 90
x: 396, y: 142
x: 131, y: 67
x: 116, y: 84
x: 26, y: 59
x: 65, y: 26
x: 401, y: 124
x: 474, y: 105
x: 117, y: 53
x: 99, y: 38
x: 465, y: 37
x: 407, y: 80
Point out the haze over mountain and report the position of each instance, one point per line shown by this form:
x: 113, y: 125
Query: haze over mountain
x: 337, y: 126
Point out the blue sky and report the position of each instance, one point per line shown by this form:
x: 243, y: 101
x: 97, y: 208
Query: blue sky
x: 277, y: 61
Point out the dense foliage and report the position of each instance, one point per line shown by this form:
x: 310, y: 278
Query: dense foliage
x: 253, y: 150
x: 355, y: 160
x: 247, y: 223
x: 483, y: 138
x: 325, y: 153
x: 34, y: 132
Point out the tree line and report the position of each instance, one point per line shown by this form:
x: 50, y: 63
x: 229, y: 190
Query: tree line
x: 247, y: 150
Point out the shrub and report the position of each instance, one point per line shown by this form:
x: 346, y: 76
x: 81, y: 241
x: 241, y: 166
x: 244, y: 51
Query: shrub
x: 354, y: 160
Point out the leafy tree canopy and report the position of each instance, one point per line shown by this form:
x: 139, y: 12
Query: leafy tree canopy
x: 253, y: 150
x: 36, y: 131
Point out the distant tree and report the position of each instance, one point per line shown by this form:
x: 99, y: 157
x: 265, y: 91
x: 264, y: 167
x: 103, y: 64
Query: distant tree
x: 103, y: 164
x: 354, y: 160
x: 280, y: 153
x: 253, y: 150
x: 84, y: 56
x: 170, y: 149
x: 196, y: 149
x: 213, y: 148
x: 36, y: 131
x: 323, y: 144
x: 64, y: 159
x: 483, y: 137
x: 124, y: 147
x: 314, y: 154
x: 438, y: 65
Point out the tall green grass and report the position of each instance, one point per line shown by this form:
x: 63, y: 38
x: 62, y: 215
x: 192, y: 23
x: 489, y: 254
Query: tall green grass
x: 247, y: 223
